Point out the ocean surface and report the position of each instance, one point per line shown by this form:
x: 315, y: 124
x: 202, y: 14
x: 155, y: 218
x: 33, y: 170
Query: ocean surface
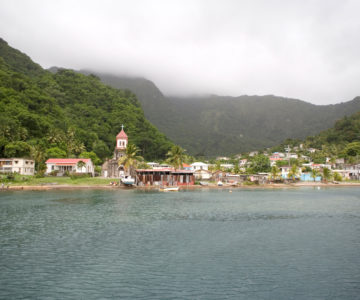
x: 208, y: 244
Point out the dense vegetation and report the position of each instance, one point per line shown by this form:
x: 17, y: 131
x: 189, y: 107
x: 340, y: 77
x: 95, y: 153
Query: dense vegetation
x: 66, y: 114
x: 342, y: 140
x: 214, y: 125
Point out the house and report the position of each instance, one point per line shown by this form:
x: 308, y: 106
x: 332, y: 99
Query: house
x: 253, y: 153
x: 199, y: 166
x: 186, y: 167
x: 218, y: 175
x: 23, y: 166
x: 224, y: 158
x: 164, y: 176
x: 62, y: 165
x: 202, y: 174
x: 152, y: 164
x: 227, y: 166
x: 286, y: 169
x: 243, y: 163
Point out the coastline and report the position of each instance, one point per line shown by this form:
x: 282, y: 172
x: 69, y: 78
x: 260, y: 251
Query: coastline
x: 193, y: 187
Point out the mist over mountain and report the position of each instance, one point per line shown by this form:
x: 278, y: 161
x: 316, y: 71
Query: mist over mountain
x: 219, y: 125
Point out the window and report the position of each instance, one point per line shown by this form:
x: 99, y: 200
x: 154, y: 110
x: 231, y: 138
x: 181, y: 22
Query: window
x: 16, y: 161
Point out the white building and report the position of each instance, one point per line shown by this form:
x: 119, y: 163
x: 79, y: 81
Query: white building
x: 70, y: 165
x: 202, y: 174
x: 22, y: 166
x: 153, y: 164
x: 199, y: 166
x: 227, y: 166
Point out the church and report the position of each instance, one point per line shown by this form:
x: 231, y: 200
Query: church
x: 110, y: 168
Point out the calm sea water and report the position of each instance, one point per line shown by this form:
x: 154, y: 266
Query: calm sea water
x: 248, y: 244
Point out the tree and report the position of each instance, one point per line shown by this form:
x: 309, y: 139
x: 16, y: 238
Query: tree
x: 176, y: 156
x: 92, y: 155
x: 37, y: 153
x: 275, y: 171
x: 314, y: 173
x: 337, y: 176
x: 80, y: 165
x: 17, y: 149
x: 326, y: 174
x: 260, y: 163
x: 55, y: 152
x: 294, y: 171
x: 130, y: 159
x: 236, y: 169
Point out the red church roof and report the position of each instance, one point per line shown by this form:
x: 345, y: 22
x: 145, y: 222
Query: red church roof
x: 122, y: 135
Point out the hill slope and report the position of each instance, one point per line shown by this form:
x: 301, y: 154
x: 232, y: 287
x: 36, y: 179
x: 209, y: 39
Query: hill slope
x: 65, y: 111
x: 216, y: 125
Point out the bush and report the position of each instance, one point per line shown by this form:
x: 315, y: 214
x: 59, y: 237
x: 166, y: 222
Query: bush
x: 54, y: 173
x: 337, y: 177
x: 10, y: 176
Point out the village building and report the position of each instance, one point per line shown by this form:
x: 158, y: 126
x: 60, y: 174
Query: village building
x: 70, y: 165
x: 164, y: 177
x: 110, y: 167
x: 22, y: 166
x: 202, y: 174
x: 227, y: 166
x: 153, y: 164
x: 199, y: 166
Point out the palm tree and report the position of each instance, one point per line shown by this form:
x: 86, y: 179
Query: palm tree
x: 327, y: 174
x: 176, y: 156
x: 294, y: 171
x: 275, y: 172
x: 314, y: 173
x: 130, y: 159
x: 38, y: 155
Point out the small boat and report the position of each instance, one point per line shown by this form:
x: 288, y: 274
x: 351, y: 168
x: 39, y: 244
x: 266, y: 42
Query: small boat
x: 169, y: 189
x: 219, y: 183
x: 127, y: 180
x: 204, y: 183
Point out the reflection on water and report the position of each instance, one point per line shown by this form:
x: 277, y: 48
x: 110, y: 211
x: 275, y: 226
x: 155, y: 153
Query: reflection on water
x: 209, y: 244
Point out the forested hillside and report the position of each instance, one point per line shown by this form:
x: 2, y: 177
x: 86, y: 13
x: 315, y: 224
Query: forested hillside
x: 216, y: 125
x: 66, y: 113
x: 342, y: 140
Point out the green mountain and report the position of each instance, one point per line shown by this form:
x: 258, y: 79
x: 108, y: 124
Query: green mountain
x: 215, y: 125
x: 67, y: 113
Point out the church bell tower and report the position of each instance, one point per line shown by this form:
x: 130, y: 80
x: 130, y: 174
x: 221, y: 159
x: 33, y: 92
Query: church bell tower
x: 121, y: 143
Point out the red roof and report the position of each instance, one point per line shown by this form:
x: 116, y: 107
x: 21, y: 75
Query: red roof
x: 66, y: 161
x: 186, y: 165
x: 122, y: 135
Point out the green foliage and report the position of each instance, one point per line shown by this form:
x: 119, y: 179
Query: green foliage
x: 337, y: 176
x: 131, y: 158
x: 260, y: 163
x: 55, y: 152
x: 92, y: 155
x: 17, y: 149
x: 352, y: 149
x: 176, y: 157
x: 67, y: 112
x: 327, y: 175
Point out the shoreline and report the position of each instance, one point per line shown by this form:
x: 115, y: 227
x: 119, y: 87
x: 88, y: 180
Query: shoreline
x: 192, y: 187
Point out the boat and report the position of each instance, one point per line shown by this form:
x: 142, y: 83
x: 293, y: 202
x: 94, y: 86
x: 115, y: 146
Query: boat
x: 127, y: 180
x: 219, y: 183
x: 204, y: 183
x: 169, y: 189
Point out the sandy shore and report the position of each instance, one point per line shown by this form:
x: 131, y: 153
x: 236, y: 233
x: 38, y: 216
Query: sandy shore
x: 194, y: 187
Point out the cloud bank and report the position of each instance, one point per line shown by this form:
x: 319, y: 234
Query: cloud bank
x: 301, y: 49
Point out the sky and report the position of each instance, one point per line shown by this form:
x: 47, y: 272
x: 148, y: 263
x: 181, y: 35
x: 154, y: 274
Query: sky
x: 304, y: 49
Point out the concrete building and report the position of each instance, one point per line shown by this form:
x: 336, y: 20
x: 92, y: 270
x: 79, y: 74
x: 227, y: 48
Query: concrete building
x: 22, y: 166
x: 62, y: 165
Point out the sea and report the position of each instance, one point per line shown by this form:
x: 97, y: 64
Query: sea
x: 296, y: 243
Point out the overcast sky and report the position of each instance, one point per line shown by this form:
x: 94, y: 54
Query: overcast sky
x: 308, y: 50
